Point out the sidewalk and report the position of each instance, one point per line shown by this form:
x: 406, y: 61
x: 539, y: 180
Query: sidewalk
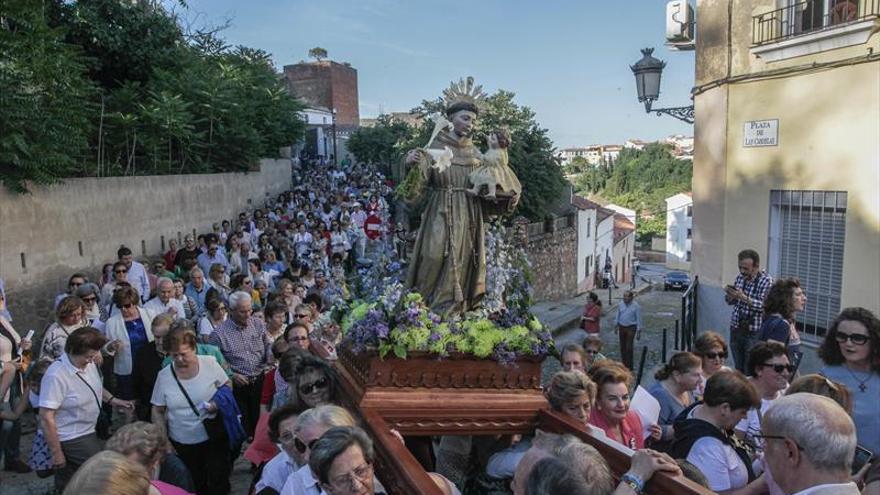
x: 558, y: 316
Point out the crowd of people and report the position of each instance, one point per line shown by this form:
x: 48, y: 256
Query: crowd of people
x: 156, y: 377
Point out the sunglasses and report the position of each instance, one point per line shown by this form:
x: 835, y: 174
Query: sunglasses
x: 299, y: 338
x: 779, y: 368
x: 590, y: 351
x: 75, y: 284
x: 715, y: 355
x: 120, y: 271
x: 304, y: 315
x: 856, y: 338
x: 302, y: 447
x: 314, y: 387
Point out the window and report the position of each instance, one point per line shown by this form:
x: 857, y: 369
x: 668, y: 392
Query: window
x: 690, y: 232
x: 588, y: 265
x: 807, y: 237
x: 688, y: 258
x: 690, y: 211
x: 589, y: 229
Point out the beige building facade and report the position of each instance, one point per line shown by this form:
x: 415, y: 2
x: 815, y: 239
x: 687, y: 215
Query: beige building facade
x: 787, y: 152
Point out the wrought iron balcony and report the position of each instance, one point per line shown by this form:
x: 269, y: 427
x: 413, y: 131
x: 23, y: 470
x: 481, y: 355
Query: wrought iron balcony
x: 808, y: 17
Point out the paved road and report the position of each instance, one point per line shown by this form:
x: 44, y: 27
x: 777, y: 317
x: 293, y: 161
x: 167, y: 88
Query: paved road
x: 660, y: 309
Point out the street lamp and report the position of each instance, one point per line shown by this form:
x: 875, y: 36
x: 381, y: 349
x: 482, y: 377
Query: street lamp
x: 647, y: 72
x: 335, y: 156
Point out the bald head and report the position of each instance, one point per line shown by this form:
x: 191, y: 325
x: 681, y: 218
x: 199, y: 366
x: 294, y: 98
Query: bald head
x: 524, y: 469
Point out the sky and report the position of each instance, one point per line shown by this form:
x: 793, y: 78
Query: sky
x: 568, y: 60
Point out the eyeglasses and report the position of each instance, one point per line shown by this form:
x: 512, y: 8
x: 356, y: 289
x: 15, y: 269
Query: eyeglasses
x: 777, y: 437
x: 89, y: 299
x: 716, y: 355
x: 75, y: 284
x: 302, y: 447
x: 360, y: 474
x: 856, y: 338
x: 120, y: 271
x: 313, y: 387
x: 127, y: 305
x: 779, y: 368
x: 591, y: 351
x: 288, y: 437
x: 301, y: 315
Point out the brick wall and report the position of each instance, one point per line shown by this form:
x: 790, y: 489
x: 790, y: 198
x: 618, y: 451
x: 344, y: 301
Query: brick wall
x: 553, y: 254
x: 326, y: 84
x: 78, y: 225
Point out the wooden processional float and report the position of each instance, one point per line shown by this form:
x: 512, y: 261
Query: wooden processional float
x: 459, y: 395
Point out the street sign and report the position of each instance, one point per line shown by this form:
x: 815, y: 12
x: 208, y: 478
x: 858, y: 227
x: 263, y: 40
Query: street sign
x: 758, y: 133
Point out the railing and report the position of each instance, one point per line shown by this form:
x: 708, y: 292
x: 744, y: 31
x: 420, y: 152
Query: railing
x: 689, y: 316
x: 810, y: 16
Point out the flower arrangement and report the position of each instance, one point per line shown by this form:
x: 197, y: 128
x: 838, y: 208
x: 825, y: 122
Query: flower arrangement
x: 386, y: 317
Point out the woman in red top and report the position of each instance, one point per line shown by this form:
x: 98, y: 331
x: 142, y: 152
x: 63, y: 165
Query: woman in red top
x: 170, y: 255
x: 592, y: 314
x: 611, y: 412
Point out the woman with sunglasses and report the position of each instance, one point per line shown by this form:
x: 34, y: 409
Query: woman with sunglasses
x: 592, y: 345
x: 215, y: 315
x: 128, y: 330
x: 769, y: 371
x: 851, y: 353
x: 315, y: 383
x: 310, y: 427
x: 95, y: 316
x: 712, y: 350
x: 120, y: 278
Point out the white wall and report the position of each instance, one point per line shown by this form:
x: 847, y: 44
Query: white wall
x: 586, y: 246
x: 677, y: 224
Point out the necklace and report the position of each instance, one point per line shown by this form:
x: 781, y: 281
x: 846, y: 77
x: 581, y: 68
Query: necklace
x: 862, y: 383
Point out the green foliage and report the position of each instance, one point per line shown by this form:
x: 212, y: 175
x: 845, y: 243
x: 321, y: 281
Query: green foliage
x: 381, y: 143
x: 640, y: 180
x: 46, y: 102
x: 166, y: 102
x: 318, y: 53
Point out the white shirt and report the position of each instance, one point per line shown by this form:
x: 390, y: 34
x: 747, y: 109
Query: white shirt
x: 837, y: 488
x: 183, y: 424
x: 719, y: 463
x: 158, y: 307
x: 301, y: 482
x: 276, y: 472
x: 206, y: 327
x: 137, y: 276
x: 751, y: 424
x: 76, y: 408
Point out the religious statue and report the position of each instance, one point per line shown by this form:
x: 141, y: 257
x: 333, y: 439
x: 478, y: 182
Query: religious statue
x: 448, y: 265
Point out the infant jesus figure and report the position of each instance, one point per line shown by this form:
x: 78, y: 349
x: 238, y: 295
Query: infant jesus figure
x: 494, y: 173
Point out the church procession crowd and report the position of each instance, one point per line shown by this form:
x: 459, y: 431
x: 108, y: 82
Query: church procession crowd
x: 139, y: 383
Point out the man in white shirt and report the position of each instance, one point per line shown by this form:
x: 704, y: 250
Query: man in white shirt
x: 137, y: 274
x: 809, y: 444
x: 165, y: 302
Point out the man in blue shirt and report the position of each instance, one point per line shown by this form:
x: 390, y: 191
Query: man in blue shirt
x: 197, y: 289
x: 213, y: 255
x: 629, y: 322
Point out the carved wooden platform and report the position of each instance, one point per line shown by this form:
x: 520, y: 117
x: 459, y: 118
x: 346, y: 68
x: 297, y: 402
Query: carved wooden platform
x: 424, y: 396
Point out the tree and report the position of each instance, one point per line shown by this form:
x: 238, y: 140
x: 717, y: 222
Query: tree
x: 318, y: 53
x: 382, y: 143
x: 46, y: 102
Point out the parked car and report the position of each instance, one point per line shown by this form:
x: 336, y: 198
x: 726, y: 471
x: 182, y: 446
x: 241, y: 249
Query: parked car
x: 676, y: 280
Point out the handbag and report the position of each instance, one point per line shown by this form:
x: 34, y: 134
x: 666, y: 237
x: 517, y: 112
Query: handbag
x: 213, y: 426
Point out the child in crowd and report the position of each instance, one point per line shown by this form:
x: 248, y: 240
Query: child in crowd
x: 40, y: 459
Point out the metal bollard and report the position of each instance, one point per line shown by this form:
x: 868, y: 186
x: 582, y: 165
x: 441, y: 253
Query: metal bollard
x: 642, y: 364
x: 677, y: 346
x: 663, y: 353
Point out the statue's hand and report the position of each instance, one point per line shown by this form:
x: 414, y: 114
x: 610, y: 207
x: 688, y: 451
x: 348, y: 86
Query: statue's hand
x: 414, y: 156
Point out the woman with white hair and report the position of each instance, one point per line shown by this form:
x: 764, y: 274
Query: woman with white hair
x: 310, y: 427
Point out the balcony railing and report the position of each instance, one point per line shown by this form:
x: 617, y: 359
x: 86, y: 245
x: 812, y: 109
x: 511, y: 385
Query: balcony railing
x: 808, y: 17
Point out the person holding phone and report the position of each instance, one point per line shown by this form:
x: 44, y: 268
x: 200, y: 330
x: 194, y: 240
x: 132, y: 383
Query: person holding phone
x: 747, y: 296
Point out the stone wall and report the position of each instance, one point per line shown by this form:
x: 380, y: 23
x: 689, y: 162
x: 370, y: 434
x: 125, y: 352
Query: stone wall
x: 77, y: 226
x: 553, y: 254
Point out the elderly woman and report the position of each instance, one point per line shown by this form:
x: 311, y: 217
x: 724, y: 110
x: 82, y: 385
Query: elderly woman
x: 342, y: 460
x: 11, y: 344
x: 282, y: 431
x: 120, y: 274
x: 69, y: 315
x: 571, y: 393
x: 111, y: 473
x: 712, y: 350
x: 573, y: 358
x: 275, y: 315
x: 784, y: 300
x: 674, y: 388
x: 217, y: 280
x: 611, y: 412
x: 310, y: 427
x: 95, y: 316
x: 71, y: 394
x: 196, y: 377
x: 215, y: 316
x: 851, y: 353
x: 703, y: 438
x: 146, y: 444
x: 128, y: 331
x: 593, y: 345
x: 190, y: 306
x: 769, y: 371
x: 315, y: 383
